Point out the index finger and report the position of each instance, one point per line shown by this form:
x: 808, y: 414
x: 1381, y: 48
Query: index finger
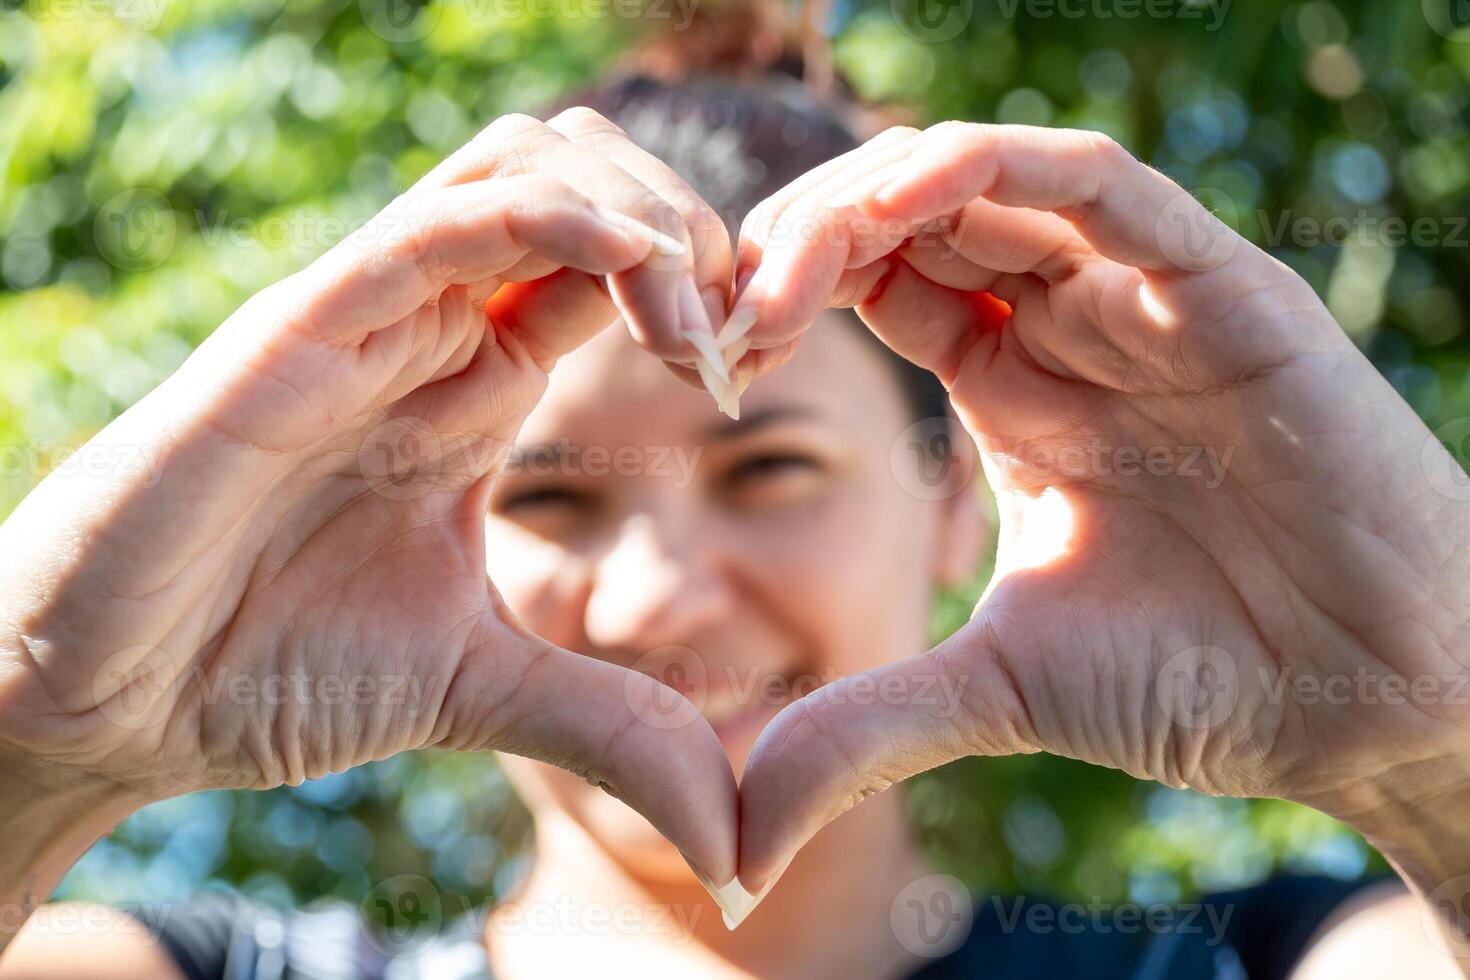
x: 1126, y: 210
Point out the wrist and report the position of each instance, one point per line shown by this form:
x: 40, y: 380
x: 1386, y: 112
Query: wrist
x: 1413, y: 816
x: 48, y: 819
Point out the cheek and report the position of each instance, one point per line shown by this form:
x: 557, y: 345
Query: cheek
x: 852, y: 574
x: 538, y: 580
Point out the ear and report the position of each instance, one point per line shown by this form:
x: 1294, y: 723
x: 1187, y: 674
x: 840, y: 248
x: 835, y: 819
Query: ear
x: 964, y: 523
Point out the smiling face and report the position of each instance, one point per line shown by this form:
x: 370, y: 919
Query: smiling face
x: 744, y: 563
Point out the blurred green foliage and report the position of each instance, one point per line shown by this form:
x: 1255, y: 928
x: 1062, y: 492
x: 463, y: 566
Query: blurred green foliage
x: 160, y: 161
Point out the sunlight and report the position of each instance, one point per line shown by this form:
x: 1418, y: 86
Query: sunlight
x: 1045, y: 531
x: 1155, y: 308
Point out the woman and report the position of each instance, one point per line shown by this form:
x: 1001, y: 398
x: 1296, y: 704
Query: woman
x: 311, y: 505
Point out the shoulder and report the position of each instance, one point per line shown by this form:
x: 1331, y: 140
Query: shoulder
x: 227, y: 936
x: 1247, y: 934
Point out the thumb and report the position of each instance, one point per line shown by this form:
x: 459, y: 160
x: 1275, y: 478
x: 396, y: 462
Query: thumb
x: 641, y: 741
x: 856, y: 737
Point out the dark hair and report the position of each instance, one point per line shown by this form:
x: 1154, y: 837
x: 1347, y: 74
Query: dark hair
x: 736, y: 143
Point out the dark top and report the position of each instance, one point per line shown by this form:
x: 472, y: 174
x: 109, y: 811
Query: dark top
x: 1256, y: 933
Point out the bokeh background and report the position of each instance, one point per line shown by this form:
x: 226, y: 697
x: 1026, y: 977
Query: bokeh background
x: 160, y: 160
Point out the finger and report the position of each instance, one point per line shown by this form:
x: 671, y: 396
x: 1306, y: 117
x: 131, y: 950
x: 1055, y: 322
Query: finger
x: 825, y: 233
x: 860, y: 735
x: 794, y: 247
x: 492, y: 385
x: 1001, y: 353
x: 471, y: 233
x: 930, y: 325
x: 989, y: 237
x: 619, y: 729
x: 1128, y: 212
x: 762, y: 221
x: 713, y: 260
x: 661, y: 301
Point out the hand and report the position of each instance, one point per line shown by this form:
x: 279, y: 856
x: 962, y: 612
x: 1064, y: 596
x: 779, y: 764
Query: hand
x: 1089, y: 316
x: 287, y: 577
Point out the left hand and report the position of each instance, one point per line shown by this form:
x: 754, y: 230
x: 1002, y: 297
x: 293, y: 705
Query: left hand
x: 1205, y: 489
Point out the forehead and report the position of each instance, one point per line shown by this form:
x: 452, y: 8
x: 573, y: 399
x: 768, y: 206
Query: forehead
x: 612, y: 392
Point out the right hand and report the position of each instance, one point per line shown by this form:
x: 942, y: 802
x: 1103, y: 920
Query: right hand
x: 284, y: 573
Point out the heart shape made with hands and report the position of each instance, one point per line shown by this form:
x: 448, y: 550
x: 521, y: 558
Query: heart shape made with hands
x: 1079, y: 305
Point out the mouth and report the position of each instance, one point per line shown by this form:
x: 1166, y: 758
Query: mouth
x: 736, y: 713
x: 744, y: 721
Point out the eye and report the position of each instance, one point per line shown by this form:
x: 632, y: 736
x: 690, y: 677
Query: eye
x: 771, y: 465
x: 539, y: 500
x: 766, y: 480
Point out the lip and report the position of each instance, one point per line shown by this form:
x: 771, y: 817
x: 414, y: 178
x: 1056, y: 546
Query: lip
x: 748, y: 720
x: 737, y: 714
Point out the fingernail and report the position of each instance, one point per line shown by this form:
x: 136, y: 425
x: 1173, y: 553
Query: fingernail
x: 714, y: 303
x: 761, y: 895
x: 872, y: 187
x: 743, y: 280
x: 734, y: 352
x: 754, y: 288
x: 709, y: 352
x: 735, y: 902
x: 695, y: 327
x: 663, y: 244
x: 727, y: 897
x: 718, y: 387
x: 894, y: 188
x: 736, y: 327
x: 744, y: 375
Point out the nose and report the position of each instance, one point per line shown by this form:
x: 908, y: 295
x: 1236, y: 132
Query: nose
x: 658, y: 585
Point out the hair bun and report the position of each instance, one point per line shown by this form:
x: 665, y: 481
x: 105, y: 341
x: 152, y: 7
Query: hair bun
x: 740, y: 39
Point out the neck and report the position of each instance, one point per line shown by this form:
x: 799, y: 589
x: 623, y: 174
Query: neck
x: 581, y: 912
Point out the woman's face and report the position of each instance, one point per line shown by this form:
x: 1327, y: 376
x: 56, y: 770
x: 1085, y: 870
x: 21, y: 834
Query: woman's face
x: 744, y: 563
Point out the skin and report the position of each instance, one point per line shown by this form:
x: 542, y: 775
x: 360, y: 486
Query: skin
x: 741, y: 571
x: 1122, y: 598
x: 151, y: 615
x: 1326, y: 548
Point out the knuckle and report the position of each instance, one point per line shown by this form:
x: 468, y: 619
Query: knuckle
x: 971, y: 136
x: 664, y: 215
x: 512, y: 142
x: 581, y: 117
x: 512, y: 124
x: 1101, y: 145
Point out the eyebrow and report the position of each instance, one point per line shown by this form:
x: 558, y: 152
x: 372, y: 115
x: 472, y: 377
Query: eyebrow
x: 722, y: 431
x: 726, y: 429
